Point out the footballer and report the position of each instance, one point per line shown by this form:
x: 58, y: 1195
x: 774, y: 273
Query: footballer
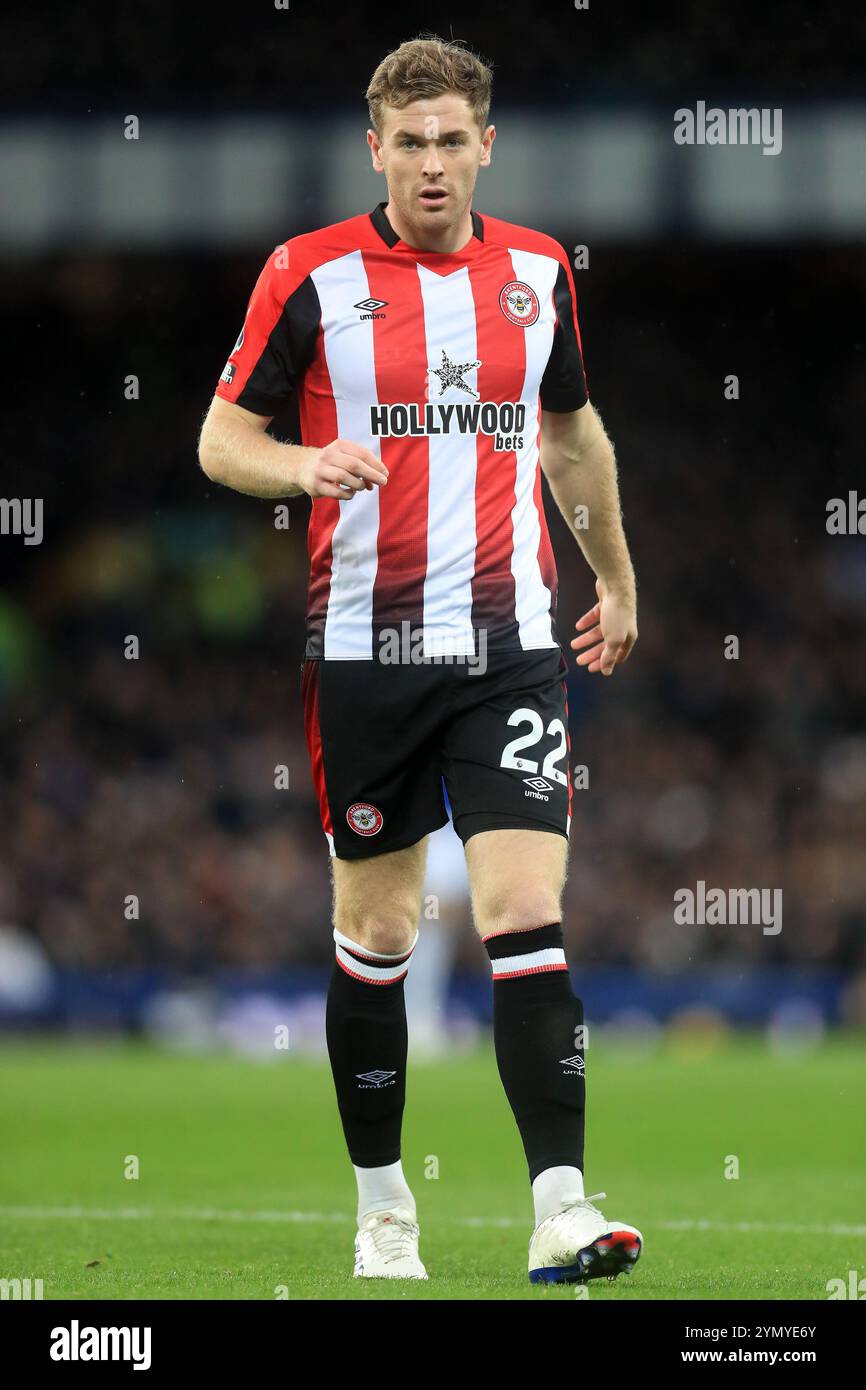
x: 438, y: 367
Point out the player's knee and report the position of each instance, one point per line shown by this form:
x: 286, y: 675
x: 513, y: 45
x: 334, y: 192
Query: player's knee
x: 516, y: 911
x: 387, y: 931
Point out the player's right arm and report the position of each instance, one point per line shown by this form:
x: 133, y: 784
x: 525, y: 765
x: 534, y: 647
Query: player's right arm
x: 236, y: 450
x: 275, y: 348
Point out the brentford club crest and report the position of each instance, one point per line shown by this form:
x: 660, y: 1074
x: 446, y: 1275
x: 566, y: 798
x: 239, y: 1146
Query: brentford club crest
x: 519, y: 303
x: 364, y: 818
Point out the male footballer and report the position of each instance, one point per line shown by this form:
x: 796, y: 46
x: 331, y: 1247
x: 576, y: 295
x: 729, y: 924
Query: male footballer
x: 437, y: 362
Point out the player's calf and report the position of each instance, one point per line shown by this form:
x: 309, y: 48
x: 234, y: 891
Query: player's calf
x: 539, y: 1036
x: 367, y: 1045
x: 537, y: 1033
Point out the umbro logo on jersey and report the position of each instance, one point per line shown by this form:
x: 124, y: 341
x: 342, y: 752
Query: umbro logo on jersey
x: 375, y: 1080
x: 574, y: 1064
x: 539, y: 786
x: 370, y: 306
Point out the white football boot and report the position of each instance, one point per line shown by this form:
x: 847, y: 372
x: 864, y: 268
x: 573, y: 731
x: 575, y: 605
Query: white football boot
x: 578, y: 1243
x: 386, y: 1246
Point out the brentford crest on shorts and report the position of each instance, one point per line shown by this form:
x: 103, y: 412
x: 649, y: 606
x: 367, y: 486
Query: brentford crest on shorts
x: 364, y: 818
x: 445, y: 380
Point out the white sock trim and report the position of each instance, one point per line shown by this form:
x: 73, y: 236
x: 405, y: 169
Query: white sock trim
x: 348, y: 944
x: 382, y: 1189
x: 533, y: 963
x: 553, y: 1188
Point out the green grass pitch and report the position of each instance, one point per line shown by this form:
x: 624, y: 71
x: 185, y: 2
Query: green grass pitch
x: 245, y: 1192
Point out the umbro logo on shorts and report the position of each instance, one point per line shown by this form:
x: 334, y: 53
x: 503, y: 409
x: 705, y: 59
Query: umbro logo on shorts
x: 539, y: 788
x: 574, y: 1064
x: 375, y: 1080
x: 364, y: 818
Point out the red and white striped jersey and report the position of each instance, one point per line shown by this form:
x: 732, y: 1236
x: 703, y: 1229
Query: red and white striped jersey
x: 440, y: 364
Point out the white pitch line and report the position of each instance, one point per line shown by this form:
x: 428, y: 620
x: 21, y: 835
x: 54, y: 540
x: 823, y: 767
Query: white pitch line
x: 174, y: 1214
x: 342, y: 1218
x: 837, y: 1228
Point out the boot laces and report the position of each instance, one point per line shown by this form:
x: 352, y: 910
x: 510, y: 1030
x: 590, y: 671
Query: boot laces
x: 393, y: 1236
x: 584, y: 1203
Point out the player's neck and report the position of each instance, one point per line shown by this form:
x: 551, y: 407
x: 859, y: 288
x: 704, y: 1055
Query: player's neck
x: 446, y: 240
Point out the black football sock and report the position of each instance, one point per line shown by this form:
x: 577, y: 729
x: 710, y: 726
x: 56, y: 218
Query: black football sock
x: 538, y: 1035
x: 367, y: 1044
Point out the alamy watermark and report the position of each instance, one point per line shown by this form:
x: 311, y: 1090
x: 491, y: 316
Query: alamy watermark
x: 408, y: 646
x: 854, y: 1288
x: 77, y: 1343
x: 703, y: 906
x: 736, y: 126
x: 846, y: 516
x: 22, y: 516
x: 23, y: 1289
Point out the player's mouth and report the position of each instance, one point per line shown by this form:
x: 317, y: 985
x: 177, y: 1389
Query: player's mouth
x: 432, y: 196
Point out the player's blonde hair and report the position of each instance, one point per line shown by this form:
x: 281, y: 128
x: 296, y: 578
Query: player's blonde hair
x: 428, y: 67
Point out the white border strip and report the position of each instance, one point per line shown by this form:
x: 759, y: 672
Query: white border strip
x: 552, y: 958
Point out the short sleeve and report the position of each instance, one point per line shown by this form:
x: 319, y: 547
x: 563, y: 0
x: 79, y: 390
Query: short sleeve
x: 563, y: 385
x: 277, y: 340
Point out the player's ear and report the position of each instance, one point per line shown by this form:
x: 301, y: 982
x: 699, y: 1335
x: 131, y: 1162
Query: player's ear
x: 375, y: 146
x: 487, y: 145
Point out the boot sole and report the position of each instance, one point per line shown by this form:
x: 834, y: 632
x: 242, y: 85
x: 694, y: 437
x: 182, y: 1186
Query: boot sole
x: 606, y: 1257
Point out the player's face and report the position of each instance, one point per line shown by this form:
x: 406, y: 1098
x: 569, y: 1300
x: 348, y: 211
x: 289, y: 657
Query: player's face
x: 430, y: 152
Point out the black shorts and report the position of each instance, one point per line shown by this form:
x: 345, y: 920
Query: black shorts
x: 382, y: 738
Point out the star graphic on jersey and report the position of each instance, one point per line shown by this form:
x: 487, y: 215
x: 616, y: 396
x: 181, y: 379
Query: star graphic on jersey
x: 451, y: 374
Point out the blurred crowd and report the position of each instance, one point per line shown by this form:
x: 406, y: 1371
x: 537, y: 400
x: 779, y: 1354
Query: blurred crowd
x: 212, y: 55
x: 146, y: 822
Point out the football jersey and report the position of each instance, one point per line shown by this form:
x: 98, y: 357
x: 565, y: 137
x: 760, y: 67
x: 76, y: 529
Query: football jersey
x: 440, y: 363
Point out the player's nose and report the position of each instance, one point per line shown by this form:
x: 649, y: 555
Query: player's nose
x: 433, y: 162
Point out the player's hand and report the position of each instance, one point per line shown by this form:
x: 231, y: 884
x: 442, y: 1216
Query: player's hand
x: 341, y: 469
x: 608, y: 632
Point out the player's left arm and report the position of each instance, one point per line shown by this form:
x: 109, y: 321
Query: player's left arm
x: 578, y: 461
